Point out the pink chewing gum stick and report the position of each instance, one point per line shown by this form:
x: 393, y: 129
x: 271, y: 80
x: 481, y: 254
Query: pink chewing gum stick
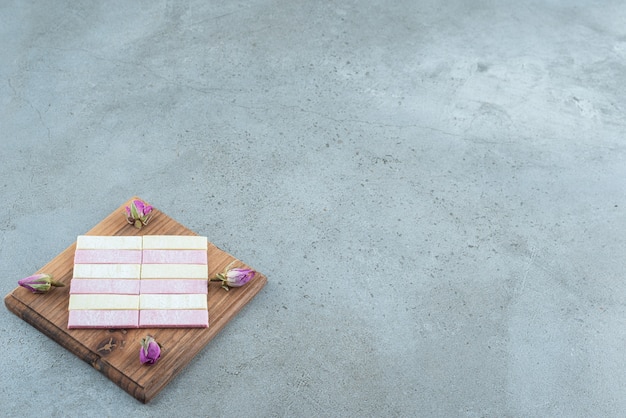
x: 105, y: 286
x: 103, y: 319
x: 162, y: 318
x: 174, y: 257
x: 173, y: 286
x: 107, y: 256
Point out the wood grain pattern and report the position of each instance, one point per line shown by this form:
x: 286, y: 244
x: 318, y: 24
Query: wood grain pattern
x: 115, y: 352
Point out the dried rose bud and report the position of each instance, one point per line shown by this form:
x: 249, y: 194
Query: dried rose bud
x: 236, y: 277
x: 150, y: 351
x: 39, y: 283
x: 138, y: 213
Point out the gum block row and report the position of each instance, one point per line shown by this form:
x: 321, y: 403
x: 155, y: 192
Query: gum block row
x: 154, y: 281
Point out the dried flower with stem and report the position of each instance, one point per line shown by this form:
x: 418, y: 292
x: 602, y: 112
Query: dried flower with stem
x: 234, y: 277
x: 39, y: 283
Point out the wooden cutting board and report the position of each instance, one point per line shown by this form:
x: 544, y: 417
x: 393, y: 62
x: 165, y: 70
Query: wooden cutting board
x: 115, y: 352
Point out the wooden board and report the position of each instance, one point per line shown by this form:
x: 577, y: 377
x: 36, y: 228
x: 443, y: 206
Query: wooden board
x: 115, y: 352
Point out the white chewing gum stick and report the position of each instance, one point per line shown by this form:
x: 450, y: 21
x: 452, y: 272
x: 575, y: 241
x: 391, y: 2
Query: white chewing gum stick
x: 174, y: 271
x: 107, y: 271
x: 96, y: 242
x: 174, y: 242
x: 192, y: 301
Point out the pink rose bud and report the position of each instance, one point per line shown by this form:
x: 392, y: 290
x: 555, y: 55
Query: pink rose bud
x: 138, y: 213
x: 236, y: 277
x: 39, y: 283
x: 150, y: 351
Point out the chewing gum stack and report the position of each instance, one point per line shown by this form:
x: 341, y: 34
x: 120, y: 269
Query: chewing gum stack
x: 153, y: 281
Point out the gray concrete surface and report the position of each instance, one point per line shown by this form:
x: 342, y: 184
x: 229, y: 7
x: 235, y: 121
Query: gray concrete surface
x: 435, y: 191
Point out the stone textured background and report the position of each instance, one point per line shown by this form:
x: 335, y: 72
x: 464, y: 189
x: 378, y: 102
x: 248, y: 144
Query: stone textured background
x: 435, y: 191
